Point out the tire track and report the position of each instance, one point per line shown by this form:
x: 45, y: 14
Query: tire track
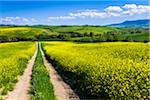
x: 62, y: 90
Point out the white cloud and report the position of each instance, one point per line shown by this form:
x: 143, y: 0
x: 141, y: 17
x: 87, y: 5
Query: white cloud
x: 7, y: 19
x: 81, y: 14
x: 127, y: 13
x: 94, y: 14
x: 12, y: 20
x: 114, y: 14
x: 91, y: 14
x: 25, y: 20
x: 132, y: 9
x: 113, y: 9
x: 130, y: 6
x: 33, y: 20
x: 143, y: 9
x: 61, y: 17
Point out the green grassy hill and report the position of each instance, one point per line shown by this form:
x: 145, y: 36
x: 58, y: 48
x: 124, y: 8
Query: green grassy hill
x: 22, y: 33
x: 73, y: 33
x: 80, y: 29
x: 136, y: 37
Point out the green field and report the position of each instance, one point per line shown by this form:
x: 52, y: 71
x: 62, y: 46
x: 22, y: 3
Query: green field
x: 109, y: 70
x: 135, y: 37
x: 74, y: 33
x: 34, y: 32
x: 81, y: 29
x: 13, y: 60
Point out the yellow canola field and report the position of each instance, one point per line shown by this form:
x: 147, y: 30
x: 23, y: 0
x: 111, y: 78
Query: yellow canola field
x: 13, y: 60
x: 114, y: 70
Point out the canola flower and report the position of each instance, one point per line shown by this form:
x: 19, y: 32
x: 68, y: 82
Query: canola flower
x: 13, y: 60
x: 117, y: 70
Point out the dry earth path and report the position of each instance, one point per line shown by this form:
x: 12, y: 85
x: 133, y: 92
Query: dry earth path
x: 62, y: 90
x: 22, y: 87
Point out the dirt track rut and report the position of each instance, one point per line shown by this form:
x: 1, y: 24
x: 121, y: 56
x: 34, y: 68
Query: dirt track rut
x: 62, y: 90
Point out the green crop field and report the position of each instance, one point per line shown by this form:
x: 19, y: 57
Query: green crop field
x: 81, y: 29
x: 137, y: 37
x: 13, y: 60
x: 109, y: 70
x: 73, y: 33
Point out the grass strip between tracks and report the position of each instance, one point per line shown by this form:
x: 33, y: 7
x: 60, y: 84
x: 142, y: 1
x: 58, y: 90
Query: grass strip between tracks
x: 41, y: 88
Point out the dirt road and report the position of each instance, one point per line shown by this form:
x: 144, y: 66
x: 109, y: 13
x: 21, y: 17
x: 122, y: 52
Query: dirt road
x: 62, y: 90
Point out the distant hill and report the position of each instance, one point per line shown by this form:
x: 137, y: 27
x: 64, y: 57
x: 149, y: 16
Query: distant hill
x: 133, y: 24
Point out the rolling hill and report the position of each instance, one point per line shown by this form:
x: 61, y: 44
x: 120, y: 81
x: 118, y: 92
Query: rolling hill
x: 133, y: 24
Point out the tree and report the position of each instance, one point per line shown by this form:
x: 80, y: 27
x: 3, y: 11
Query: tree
x: 91, y: 34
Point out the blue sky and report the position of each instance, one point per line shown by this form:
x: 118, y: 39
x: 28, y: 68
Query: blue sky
x: 72, y: 12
